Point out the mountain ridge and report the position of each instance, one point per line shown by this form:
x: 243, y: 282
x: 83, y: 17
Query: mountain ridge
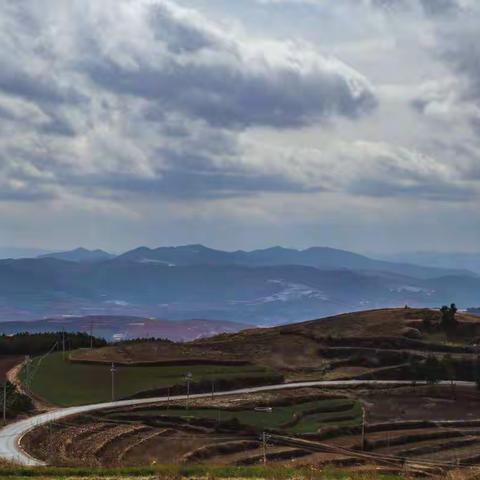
x: 80, y: 254
x: 326, y: 258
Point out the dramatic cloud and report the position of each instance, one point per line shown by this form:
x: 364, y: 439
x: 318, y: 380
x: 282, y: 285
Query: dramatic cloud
x: 194, y: 67
x: 127, y: 106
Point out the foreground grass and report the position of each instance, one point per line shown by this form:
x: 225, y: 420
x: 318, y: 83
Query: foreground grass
x: 193, y: 472
x: 278, y: 417
x: 67, y: 384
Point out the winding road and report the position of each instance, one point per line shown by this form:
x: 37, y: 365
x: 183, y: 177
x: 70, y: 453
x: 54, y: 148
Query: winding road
x: 11, y: 435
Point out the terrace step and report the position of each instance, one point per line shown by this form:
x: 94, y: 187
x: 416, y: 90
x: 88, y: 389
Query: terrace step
x: 143, y: 440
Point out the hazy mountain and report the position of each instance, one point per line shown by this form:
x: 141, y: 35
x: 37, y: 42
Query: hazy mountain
x: 121, y: 328
x: 20, y: 252
x: 319, y: 257
x: 80, y: 255
x: 455, y: 260
x: 45, y: 287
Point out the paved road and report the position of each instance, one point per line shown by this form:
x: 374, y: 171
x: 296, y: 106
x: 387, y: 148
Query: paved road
x: 11, y: 435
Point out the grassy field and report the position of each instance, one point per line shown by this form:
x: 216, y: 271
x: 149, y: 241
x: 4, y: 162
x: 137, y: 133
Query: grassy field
x: 194, y: 472
x: 309, y: 422
x: 64, y: 383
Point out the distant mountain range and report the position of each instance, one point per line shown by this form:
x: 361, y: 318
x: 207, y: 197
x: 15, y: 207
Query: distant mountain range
x: 457, y: 260
x: 271, y: 286
x: 80, y: 255
x: 319, y: 257
x: 114, y: 328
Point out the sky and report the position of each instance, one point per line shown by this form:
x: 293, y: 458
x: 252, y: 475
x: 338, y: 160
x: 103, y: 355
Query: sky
x: 240, y: 124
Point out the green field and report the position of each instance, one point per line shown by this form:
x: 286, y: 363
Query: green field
x: 179, y: 472
x: 66, y: 384
x: 278, y: 417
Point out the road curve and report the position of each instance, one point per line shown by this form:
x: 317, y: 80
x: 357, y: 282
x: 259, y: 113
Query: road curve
x: 11, y: 435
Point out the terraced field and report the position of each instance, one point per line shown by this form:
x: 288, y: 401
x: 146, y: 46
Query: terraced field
x: 305, y: 428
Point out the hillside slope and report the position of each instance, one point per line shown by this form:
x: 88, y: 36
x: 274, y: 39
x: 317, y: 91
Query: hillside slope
x: 344, y: 346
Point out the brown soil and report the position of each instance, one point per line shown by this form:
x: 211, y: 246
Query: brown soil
x: 426, y: 402
x: 12, y: 376
x: 7, y: 362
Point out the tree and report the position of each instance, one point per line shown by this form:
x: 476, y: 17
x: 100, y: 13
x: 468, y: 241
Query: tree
x: 476, y: 372
x: 449, y: 369
x: 415, y: 370
x: 432, y: 370
x: 448, y: 315
x: 17, y: 403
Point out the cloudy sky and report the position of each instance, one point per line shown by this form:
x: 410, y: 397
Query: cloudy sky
x: 240, y: 124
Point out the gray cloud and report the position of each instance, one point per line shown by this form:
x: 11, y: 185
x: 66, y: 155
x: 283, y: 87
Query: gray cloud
x: 127, y: 106
x: 202, y: 71
x: 440, y: 7
x: 457, y: 96
x: 430, y: 7
x: 461, y: 50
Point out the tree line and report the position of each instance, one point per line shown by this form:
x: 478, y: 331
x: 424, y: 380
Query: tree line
x: 433, y: 369
x: 25, y: 343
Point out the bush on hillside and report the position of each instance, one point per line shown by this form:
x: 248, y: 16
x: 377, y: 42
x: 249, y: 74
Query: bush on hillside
x: 16, y: 402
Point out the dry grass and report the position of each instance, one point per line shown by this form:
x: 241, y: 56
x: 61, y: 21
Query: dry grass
x: 464, y: 474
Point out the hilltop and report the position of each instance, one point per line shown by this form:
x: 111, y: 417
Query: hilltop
x: 80, y: 255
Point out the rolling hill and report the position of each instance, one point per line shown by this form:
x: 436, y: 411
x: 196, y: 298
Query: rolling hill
x: 381, y: 343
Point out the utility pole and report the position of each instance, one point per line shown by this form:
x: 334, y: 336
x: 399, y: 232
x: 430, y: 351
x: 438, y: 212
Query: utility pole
x: 63, y: 344
x: 188, y: 378
x: 113, y: 370
x: 91, y: 334
x: 5, y: 402
x: 264, y: 447
x: 27, y: 368
x: 364, y: 425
